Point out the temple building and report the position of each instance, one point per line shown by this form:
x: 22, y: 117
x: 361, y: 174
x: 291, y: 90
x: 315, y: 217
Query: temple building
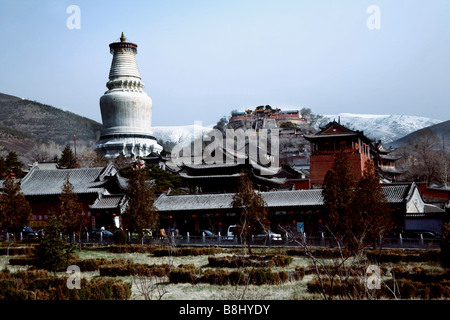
x: 100, y: 191
x: 328, y: 142
x: 126, y: 109
x: 216, y: 178
x: 264, y: 118
x: 287, y: 208
x: 333, y: 138
x: 385, y: 162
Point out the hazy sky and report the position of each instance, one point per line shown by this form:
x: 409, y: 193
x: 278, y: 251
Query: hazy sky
x: 201, y: 59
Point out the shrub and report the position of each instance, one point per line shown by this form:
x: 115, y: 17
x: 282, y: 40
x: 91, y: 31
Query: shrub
x: 114, y: 270
x: 120, y: 237
x: 299, y: 272
x: 184, y: 275
x: 12, y: 251
x: 218, y: 277
x: 22, y: 261
x: 40, y: 285
x: 400, y: 255
x: 249, y: 261
x: 131, y: 248
x: 260, y: 276
x: 351, y: 288
x: 238, y: 278
x: 106, y: 289
x: 282, y: 261
x: 284, y: 276
x: 319, y: 252
x: 53, y: 253
x: 186, y: 251
x: 255, y: 276
x: 121, y: 269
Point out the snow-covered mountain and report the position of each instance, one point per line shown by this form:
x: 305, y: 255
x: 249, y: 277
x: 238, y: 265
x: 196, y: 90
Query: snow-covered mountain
x: 180, y: 134
x: 386, y: 128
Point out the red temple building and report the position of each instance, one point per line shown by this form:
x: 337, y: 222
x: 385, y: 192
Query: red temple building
x: 328, y: 142
x: 265, y: 117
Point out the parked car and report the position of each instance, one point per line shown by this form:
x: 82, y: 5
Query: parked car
x: 29, y: 233
x: 426, y: 234
x: 95, y: 234
x: 199, y: 233
x: 268, y: 235
x: 230, y: 232
x: 258, y: 237
x: 145, y: 232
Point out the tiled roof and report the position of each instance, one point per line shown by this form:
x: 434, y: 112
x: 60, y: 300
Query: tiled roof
x: 221, y: 176
x: 84, y: 180
x: 194, y: 202
x: 293, y: 198
x: 212, y: 165
x: 311, y: 197
x: 108, y: 202
x: 223, y: 200
x: 396, y: 193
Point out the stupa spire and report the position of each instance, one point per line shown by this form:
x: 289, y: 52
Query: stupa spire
x: 126, y: 109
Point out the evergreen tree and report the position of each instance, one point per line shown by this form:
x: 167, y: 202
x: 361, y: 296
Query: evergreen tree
x: 14, y: 165
x: 3, y: 169
x: 338, y: 192
x: 140, y: 212
x: 71, y: 213
x: 164, y: 180
x: 221, y: 124
x: 15, y: 211
x: 372, y: 215
x: 122, y: 162
x: 356, y: 211
x: 53, y: 253
x: 91, y: 159
x: 67, y: 159
x: 251, y: 210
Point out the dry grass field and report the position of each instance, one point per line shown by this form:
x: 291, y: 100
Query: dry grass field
x: 161, y: 287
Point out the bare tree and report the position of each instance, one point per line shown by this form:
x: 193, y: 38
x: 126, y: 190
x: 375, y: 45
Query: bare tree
x: 151, y: 287
x: 251, y: 209
x: 340, y: 273
x: 424, y: 159
x: 90, y: 158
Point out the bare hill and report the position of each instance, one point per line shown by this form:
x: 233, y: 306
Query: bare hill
x: 26, y: 124
x: 441, y: 130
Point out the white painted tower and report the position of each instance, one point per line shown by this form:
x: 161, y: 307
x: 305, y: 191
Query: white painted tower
x: 126, y: 109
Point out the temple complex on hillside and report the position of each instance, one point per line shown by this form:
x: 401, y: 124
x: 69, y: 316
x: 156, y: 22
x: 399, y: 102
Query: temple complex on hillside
x: 265, y: 118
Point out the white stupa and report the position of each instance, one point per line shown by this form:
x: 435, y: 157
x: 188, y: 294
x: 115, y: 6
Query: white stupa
x: 126, y: 109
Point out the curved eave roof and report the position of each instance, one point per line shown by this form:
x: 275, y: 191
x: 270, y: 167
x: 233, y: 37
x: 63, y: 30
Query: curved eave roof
x: 40, y: 182
x: 395, y: 194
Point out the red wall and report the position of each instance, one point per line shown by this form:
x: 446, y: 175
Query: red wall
x: 320, y: 164
x: 43, y: 206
